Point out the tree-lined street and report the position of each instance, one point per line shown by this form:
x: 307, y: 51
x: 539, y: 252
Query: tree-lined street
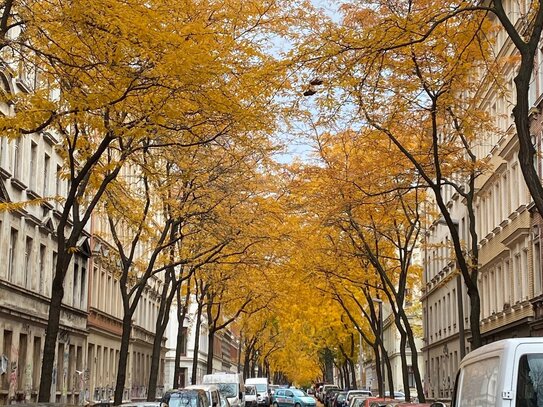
x: 157, y: 226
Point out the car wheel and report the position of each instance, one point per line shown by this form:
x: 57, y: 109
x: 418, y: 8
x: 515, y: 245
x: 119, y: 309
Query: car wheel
x: 275, y: 404
x: 297, y: 405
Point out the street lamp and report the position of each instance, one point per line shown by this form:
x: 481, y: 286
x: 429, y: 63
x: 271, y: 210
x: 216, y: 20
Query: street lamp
x: 380, y: 302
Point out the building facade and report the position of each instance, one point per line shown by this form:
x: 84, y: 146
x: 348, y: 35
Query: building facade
x: 509, y: 238
x: 88, y: 342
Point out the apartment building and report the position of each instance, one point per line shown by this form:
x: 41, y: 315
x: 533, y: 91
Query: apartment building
x: 509, y: 241
x: 88, y: 341
x: 28, y: 168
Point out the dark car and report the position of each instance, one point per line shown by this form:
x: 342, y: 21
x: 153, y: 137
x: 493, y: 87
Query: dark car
x: 185, y: 398
x: 340, y: 399
x: 329, y: 396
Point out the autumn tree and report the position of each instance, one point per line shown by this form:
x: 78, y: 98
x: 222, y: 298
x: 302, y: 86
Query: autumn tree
x: 113, y: 73
x: 423, y: 100
x: 378, y: 217
x: 417, y: 24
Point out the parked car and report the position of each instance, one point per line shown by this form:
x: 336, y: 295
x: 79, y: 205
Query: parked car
x: 324, y: 389
x: 357, y: 402
x: 398, y: 395
x: 212, y: 392
x: 273, y: 387
x: 330, y: 393
x: 231, y: 385
x: 262, y: 390
x: 361, y: 393
x: 250, y: 396
x: 380, y: 402
x: 141, y: 404
x: 292, y: 398
x: 339, y: 399
x: 185, y: 398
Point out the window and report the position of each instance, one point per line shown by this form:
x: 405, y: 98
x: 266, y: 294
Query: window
x: 3, y: 161
x: 524, y: 273
x: 481, y: 389
x: 59, y: 181
x: 41, y: 278
x: 21, y: 360
x: 83, y: 286
x: 8, y: 339
x: 411, y: 376
x: 517, y: 272
x: 75, y: 287
x: 12, y: 253
x: 183, y: 341
x: 530, y: 381
x: 507, y: 283
x: 33, y: 165
x: 55, y: 256
x: 46, y: 164
x: 17, y: 158
x: 36, y: 360
x: 537, y: 268
x: 514, y: 196
x: 28, y: 262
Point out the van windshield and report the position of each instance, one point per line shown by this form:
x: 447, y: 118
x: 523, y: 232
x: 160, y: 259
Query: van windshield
x: 530, y: 381
x: 261, y: 388
x: 228, y: 389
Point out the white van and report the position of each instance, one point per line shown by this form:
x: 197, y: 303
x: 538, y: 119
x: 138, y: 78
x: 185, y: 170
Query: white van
x: 506, y: 373
x: 262, y: 390
x: 230, y: 385
x: 212, y: 392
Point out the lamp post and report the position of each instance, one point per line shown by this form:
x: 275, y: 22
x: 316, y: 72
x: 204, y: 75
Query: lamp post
x: 381, y: 337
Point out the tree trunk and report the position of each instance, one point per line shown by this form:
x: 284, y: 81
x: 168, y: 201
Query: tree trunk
x: 346, y: 375
x: 210, y: 350
x: 405, y: 371
x: 353, y: 374
x: 171, y: 284
x: 181, y: 313
x: 53, y: 323
x: 247, y: 363
x: 414, y: 361
x: 389, y: 373
x: 378, y: 370
x: 239, y: 351
x: 196, y: 344
x: 123, y: 359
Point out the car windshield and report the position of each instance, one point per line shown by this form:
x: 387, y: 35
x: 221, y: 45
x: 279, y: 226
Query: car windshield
x: 228, y: 389
x: 183, y: 400
x: 261, y: 388
x: 298, y: 393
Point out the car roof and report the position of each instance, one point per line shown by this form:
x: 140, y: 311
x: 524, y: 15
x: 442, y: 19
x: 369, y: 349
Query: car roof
x: 185, y: 391
x: 205, y: 387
